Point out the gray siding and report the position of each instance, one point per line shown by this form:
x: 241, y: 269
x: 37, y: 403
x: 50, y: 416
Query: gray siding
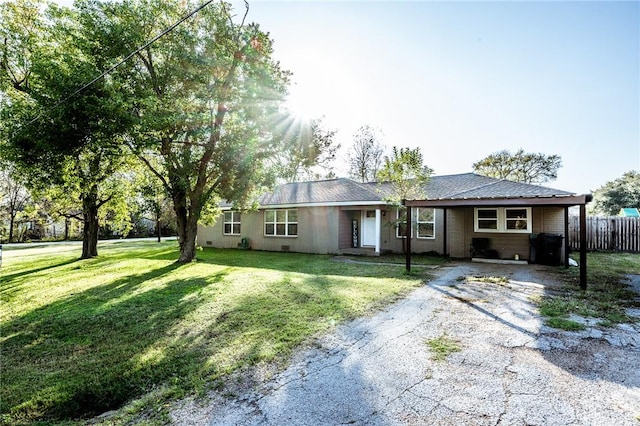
x: 317, y: 232
x: 328, y: 229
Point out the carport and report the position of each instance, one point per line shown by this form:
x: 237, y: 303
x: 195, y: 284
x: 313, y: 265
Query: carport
x: 563, y: 201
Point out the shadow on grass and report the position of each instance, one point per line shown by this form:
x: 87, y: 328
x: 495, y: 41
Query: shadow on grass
x: 97, y: 349
x: 294, y: 262
x: 79, y: 356
x: 6, y: 279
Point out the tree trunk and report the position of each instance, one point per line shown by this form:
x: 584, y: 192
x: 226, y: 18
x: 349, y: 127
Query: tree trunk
x: 158, y: 229
x: 187, y: 221
x: 12, y: 220
x: 90, y: 231
x: 66, y: 228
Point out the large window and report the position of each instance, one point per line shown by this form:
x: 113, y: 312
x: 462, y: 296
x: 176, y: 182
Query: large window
x: 232, y: 223
x: 426, y: 223
x: 281, y: 223
x: 503, y: 219
x: 424, y: 220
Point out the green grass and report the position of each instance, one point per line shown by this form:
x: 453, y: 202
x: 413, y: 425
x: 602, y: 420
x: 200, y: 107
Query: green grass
x: 443, y: 346
x: 399, y: 259
x: 484, y: 279
x: 606, y: 297
x: 131, y: 330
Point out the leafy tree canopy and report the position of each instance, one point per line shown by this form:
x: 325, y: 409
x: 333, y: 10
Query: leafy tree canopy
x: 405, y: 170
x: 617, y: 194
x: 208, y: 99
x: 53, y: 132
x: 520, y: 166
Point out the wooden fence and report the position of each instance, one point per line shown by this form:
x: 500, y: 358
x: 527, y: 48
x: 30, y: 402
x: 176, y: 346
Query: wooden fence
x: 607, y: 233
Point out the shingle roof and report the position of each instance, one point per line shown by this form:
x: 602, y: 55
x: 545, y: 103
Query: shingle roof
x: 449, y: 187
x: 323, y: 191
x: 472, y: 186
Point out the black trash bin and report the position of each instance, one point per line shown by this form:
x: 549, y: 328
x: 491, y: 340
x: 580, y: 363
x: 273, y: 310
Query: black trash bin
x: 549, y: 249
x: 533, y: 244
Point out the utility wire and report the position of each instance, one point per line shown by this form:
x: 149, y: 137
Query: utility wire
x: 130, y: 55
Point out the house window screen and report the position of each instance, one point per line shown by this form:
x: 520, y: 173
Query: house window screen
x: 487, y: 219
x: 232, y: 223
x: 281, y: 223
x: 516, y: 219
x: 426, y: 223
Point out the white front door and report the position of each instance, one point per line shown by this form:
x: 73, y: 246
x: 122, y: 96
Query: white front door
x: 369, y: 228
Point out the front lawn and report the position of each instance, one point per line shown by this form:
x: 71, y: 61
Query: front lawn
x: 133, y: 329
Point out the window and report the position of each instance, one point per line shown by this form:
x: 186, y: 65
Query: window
x: 281, y: 223
x: 516, y: 219
x: 503, y: 219
x: 232, y: 223
x: 426, y: 223
x: 401, y: 223
x: 486, y: 220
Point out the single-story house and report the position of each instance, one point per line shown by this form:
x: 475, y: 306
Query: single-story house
x: 342, y: 216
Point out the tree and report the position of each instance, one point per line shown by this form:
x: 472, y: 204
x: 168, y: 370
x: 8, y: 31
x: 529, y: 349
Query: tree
x: 207, y: 96
x: 54, y: 138
x: 154, y: 202
x: 308, y: 148
x: 366, y: 155
x: 14, y: 198
x: 520, y: 166
x: 407, y: 176
x: 618, y: 193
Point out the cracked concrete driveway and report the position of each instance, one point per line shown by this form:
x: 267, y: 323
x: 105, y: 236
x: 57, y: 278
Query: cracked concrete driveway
x: 511, y: 370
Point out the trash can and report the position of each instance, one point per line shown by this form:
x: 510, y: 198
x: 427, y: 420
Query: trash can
x: 549, y: 249
x: 533, y: 243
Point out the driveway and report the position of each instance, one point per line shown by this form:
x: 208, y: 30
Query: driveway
x: 511, y: 369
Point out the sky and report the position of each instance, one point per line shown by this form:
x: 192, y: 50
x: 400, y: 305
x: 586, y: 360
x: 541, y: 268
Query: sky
x: 462, y: 80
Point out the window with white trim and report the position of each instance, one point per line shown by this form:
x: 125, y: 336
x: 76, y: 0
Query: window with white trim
x: 425, y: 223
x: 232, y: 221
x: 401, y: 223
x: 502, y: 219
x: 281, y: 223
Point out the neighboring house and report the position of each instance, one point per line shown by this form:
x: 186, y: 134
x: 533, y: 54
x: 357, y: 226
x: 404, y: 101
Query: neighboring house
x: 629, y: 212
x: 343, y: 216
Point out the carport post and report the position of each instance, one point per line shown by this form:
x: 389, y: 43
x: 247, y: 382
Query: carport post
x: 583, y: 246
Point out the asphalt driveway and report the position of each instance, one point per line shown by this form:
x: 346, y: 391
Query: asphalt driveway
x: 511, y: 369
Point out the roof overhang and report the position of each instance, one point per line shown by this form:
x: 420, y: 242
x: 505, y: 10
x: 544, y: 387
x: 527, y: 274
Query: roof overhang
x: 564, y: 200
x: 323, y: 204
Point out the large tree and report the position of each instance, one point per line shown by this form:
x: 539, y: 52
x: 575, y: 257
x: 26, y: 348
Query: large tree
x: 208, y: 94
x: 617, y: 194
x: 55, y: 133
x: 520, y: 166
x: 366, y: 155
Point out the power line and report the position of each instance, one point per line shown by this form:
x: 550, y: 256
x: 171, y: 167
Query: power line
x: 130, y: 55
